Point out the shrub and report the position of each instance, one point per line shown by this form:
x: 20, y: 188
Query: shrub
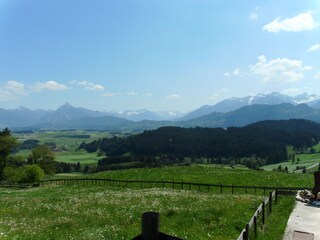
x: 24, y: 174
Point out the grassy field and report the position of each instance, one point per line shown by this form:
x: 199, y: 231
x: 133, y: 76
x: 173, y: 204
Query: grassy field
x: 214, y: 175
x: 101, y: 212
x: 111, y: 212
x: 276, y: 222
x: 307, y: 160
x: 77, y: 156
x: 67, y: 141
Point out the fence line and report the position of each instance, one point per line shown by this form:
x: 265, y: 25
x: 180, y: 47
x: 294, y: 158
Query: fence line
x: 264, y: 209
x: 172, y: 184
x: 261, y: 212
x: 19, y: 185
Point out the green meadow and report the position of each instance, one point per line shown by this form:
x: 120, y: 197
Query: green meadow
x: 67, y: 144
x: 213, y: 175
x: 114, y: 212
x: 309, y: 160
x: 105, y: 212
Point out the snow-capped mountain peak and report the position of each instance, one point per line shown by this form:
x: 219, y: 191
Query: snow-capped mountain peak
x: 272, y: 98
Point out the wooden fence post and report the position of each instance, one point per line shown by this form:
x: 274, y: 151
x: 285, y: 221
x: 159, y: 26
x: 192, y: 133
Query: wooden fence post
x: 232, y: 189
x: 220, y: 188
x: 263, y: 212
x: 255, y: 226
x: 270, y: 202
x: 276, y: 196
x: 150, y: 226
x: 246, y: 233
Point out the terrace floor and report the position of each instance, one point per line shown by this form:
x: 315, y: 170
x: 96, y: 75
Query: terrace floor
x: 303, y: 223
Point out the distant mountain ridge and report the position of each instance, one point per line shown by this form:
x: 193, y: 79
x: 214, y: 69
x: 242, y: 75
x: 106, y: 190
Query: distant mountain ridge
x: 68, y: 115
x: 67, y: 112
x: 251, y: 111
x: 255, y: 113
x: 234, y: 103
x: 20, y: 117
x: 143, y: 114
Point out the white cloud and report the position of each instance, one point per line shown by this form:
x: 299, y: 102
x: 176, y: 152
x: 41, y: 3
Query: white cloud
x: 49, y: 85
x: 281, y: 70
x: 108, y: 94
x: 88, y: 85
x: 314, y: 48
x: 148, y: 94
x: 227, y: 74
x: 173, y: 96
x: 291, y: 91
x: 301, y: 22
x: 217, y: 94
x: 317, y: 76
x: 95, y: 87
x: 11, y: 89
x: 15, y: 87
x: 132, y: 93
x: 236, y: 72
x: 253, y: 16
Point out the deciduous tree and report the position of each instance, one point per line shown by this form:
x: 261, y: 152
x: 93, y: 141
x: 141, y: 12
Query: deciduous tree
x: 44, y: 157
x: 7, y: 142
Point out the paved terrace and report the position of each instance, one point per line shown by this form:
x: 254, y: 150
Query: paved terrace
x: 303, y: 223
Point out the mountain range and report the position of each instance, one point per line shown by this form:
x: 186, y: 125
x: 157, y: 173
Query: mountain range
x: 230, y: 112
x: 274, y: 98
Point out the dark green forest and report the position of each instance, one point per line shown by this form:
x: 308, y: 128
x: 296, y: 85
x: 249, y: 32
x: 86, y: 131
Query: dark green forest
x: 253, y: 145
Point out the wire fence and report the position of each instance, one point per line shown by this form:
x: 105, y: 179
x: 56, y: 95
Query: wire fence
x: 217, y: 188
x: 264, y: 209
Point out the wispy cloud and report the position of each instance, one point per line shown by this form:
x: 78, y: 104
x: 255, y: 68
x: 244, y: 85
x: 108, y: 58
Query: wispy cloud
x: 173, y: 96
x: 314, y: 47
x: 11, y: 89
x: 49, y: 85
x: 317, y: 76
x: 109, y: 94
x: 291, y: 91
x: 88, y: 85
x: 301, y: 22
x: 281, y: 70
x: 219, y: 93
x: 132, y: 93
x: 253, y: 16
x: 235, y: 72
x: 226, y: 74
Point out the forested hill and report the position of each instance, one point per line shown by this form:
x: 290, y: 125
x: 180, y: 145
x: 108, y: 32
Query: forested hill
x: 292, y: 125
x: 264, y: 141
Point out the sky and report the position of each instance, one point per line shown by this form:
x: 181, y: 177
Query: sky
x: 156, y: 55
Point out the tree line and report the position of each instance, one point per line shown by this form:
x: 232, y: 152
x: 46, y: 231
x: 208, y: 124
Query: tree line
x: 14, y: 168
x: 254, y: 145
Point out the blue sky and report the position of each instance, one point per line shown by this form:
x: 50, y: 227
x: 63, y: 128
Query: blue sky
x: 156, y: 55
